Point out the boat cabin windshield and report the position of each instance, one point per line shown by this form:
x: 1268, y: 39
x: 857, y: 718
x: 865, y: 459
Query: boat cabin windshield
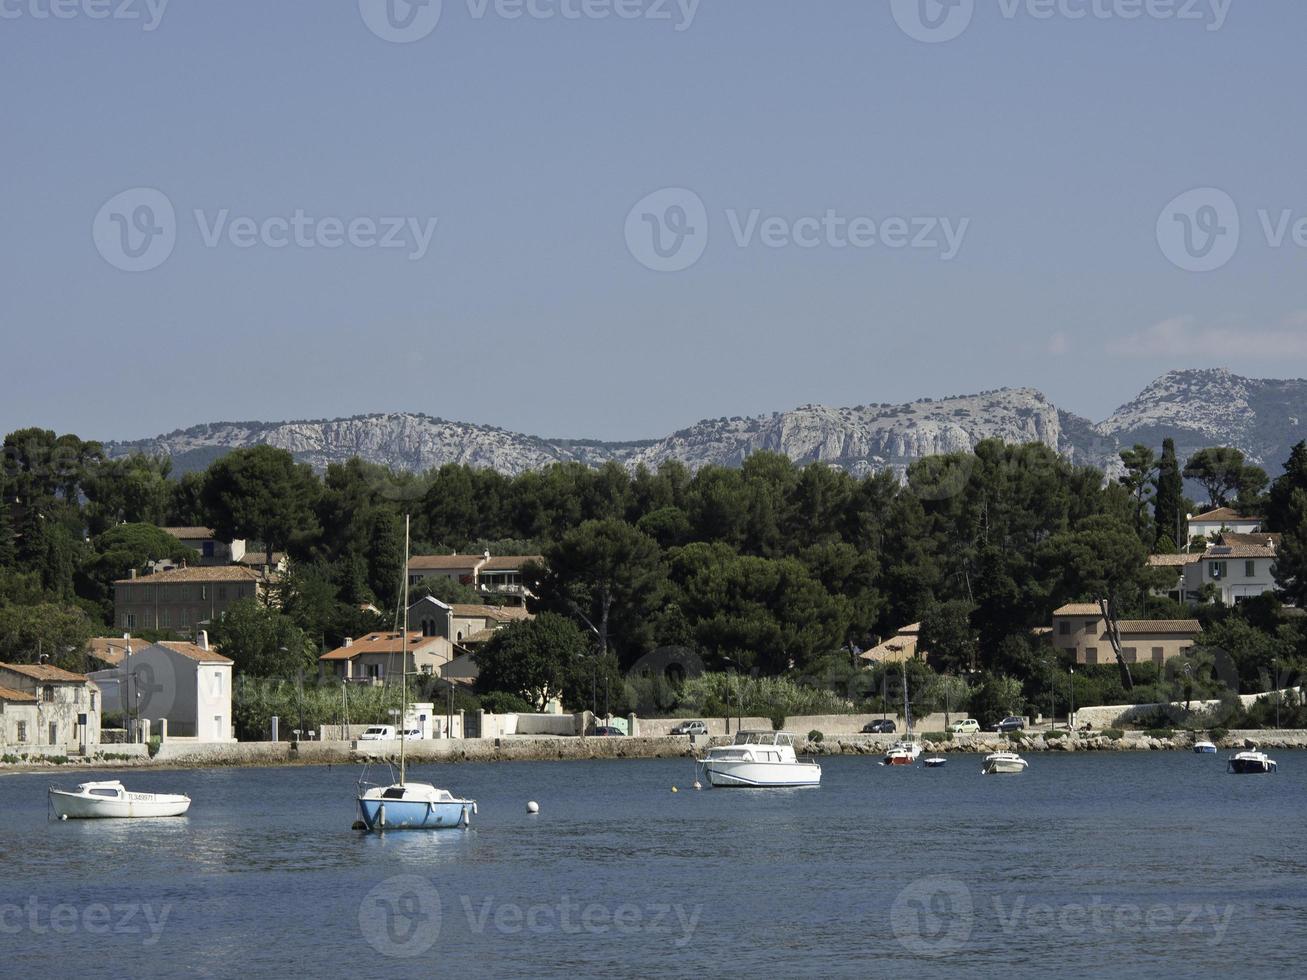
x: 764, y: 738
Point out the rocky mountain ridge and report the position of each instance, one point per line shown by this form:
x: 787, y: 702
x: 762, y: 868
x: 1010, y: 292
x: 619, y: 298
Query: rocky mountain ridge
x: 1196, y: 408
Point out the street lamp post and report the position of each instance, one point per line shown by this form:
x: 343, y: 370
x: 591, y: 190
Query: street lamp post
x: 1071, y: 714
x: 1275, y: 663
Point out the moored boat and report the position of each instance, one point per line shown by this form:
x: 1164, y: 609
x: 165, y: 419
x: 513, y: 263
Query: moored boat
x: 403, y: 805
x: 1204, y: 747
x: 1003, y: 762
x: 1252, y: 761
x: 935, y: 762
x: 902, y: 753
x: 109, y: 799
x: 759, y: 759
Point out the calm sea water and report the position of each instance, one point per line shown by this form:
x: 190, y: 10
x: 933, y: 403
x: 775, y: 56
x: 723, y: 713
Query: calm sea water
x: 1091, y: 865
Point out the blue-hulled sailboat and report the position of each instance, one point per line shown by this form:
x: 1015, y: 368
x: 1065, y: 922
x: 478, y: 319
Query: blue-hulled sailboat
x: 404, y: 805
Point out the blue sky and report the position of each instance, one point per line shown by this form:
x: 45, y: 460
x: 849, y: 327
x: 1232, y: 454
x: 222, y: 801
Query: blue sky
x: 1053, y: 143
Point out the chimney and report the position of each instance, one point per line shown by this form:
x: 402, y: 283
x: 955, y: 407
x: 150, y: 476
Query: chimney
x: 486, y: 555
x: 202, y: 639
x: 132, y: 573
x: 349, y: 641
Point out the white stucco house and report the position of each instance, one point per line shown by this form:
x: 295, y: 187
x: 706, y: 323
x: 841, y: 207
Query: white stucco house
x: 1222, y: 520
x: 1237, y: 571
x: 188, y: 685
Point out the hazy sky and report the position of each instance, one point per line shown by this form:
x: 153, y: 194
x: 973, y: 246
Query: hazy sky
x: 857, y: 206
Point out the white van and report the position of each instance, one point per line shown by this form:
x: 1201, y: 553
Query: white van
x: 378, y: 733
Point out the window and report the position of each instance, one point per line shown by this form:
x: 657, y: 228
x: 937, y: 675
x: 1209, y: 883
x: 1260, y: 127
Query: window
x: 1250, y: 569
x: 1064, y: 628
x: 1091, y: 655
x: 129, y: 621
x: 1217, y: 569
x: 22, y: 731
x: 222, y: 593
x: 1159, y: 655
x: 92, y: 700
x: 1091, y: 625
x: 208, y: 549
x: 204, y: 592
x: 54, y: 733
x: 1129, y: 654
x: 216, y: 687
x: 47, y: 693
x: 164, y: 618
x: 374, y: 671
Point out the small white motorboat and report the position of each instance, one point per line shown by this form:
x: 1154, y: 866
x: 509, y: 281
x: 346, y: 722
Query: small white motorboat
x: 935, y: 762
x: 1252, y: 761
x: 1204, y: 748
x: 110, y: 799
x: 1003, y: 762
x: 759, y: 759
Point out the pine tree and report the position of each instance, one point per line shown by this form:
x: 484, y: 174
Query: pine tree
x: 1170, y: 490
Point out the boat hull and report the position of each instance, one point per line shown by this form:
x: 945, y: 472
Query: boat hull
x: 414, y: 814
x: 1205, y: 748
x: 935, y: 763
x: 761, y: 775
x: 1004, y: 766
x: 72, y: 806
x: 1251, y: 767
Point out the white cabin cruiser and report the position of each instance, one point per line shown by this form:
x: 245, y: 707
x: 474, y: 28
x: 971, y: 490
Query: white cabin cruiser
x: 1205, y: 748
x: 1249, y: 762
x: 762, y: 759
x: 1003, y: 762
x: 110, y: 799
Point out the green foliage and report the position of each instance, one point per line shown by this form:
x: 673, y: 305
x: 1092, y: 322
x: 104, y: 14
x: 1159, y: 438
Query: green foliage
x: 52, y: 629
x: 263, y: 642
x: 260, y: 493
x: 1223, y: 474
x: 531, y: 658
x: 504, y: 703
x: 1053, y: 736
x: 997, y: 697
x: 1160, y: 732
x: 813, y: 736
x: 948, y: 636
x: 308, y: 705
x: 1115, y: 734
x: 777, y: 720
x: 1168, y: 498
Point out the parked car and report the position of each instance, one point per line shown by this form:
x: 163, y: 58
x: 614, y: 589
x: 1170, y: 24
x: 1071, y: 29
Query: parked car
x: 378, y: 733
x: 607, y: 730
x: 1010, y: 724
x: 967, y: 726
x: 879, y: 727
x: 690, y: 728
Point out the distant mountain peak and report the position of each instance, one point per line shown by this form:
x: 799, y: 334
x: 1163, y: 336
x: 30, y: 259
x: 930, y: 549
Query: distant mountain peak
x: 1197, y: 408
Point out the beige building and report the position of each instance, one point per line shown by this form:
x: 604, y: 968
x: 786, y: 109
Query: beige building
x: 183, y: 599
x: 898, y: 648
x: 494, y: 577
x: 373, y: 658
x: 211, y: 550
x: 1080, y: 631
x: 44, y: 707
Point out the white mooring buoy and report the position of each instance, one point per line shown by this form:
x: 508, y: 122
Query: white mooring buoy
x: 533, y: 807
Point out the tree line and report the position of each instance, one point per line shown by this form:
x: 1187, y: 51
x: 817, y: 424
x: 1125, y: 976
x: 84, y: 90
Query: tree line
x: 769, y: 568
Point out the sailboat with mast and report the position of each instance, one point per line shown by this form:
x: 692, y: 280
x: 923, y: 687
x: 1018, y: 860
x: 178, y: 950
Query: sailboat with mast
x: 404, y: 805
x: 905, y: 751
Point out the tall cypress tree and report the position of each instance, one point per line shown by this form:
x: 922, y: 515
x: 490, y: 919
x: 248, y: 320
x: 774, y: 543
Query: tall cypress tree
x: 8, y: 550
x: 1169, y: 498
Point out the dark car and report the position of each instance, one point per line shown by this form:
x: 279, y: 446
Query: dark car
x: 1010, y: 724
x: 607, y: 730
x: 879, y: 727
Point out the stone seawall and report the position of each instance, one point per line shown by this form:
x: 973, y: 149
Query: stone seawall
x: 554, y: 748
